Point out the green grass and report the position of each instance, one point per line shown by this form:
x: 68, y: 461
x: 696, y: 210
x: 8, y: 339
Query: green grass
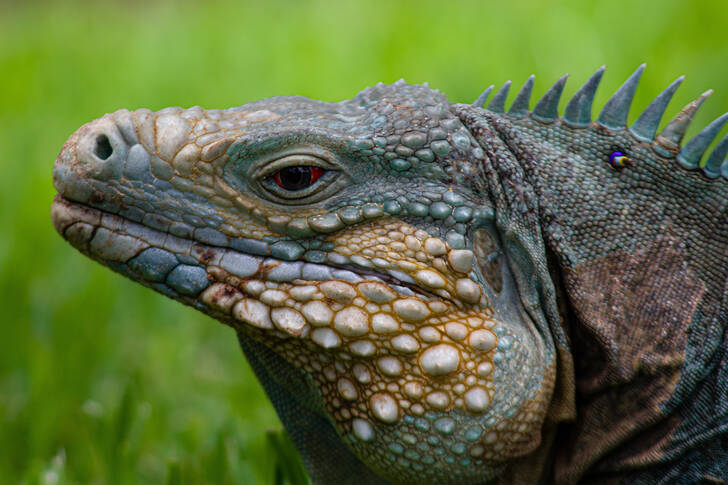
x: 103, y: 381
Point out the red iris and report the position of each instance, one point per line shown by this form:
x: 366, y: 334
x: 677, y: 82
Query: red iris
x: 297, y: 177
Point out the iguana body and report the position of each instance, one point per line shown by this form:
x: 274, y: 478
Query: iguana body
x: 438, y: 293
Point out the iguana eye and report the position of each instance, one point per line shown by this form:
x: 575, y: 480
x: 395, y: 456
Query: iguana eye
x: 297, y: 177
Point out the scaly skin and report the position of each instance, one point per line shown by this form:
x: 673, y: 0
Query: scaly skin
x: 412, y: 302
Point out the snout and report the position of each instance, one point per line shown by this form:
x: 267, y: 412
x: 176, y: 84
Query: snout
x: 96, y: 152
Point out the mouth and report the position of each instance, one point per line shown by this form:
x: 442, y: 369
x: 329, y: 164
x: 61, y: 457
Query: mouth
x: 184, y: 268
x: 133, y: 238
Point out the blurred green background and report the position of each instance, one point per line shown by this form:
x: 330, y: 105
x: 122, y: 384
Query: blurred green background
x: 103, y: 381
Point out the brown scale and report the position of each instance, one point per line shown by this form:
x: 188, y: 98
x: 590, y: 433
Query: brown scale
x: 444, y: 343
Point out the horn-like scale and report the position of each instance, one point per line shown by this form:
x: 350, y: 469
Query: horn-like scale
x: 498, y: 103
x: 614, y: 117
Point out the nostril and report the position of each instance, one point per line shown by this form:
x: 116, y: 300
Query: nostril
x: 103, y: 148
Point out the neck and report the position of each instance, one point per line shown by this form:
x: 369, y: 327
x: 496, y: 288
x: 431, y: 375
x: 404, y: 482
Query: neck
x: 643, y: 293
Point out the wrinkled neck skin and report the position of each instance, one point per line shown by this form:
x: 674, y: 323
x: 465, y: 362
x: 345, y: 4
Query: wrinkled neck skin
x: 408, y: 303
x: 519, y: 224
x: 640, y: 256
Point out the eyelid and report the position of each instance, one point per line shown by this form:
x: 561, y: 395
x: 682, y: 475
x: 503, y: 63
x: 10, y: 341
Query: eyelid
x: 292, y: 160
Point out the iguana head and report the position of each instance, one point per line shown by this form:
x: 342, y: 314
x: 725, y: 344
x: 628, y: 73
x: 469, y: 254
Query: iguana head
x: 356, y: 240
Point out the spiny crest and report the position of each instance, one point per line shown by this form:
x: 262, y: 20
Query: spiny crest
x: 614, y: 117
x: 579, y: 108
x: 547, y: 109
x: 519, y: 107
x: 498, y: 103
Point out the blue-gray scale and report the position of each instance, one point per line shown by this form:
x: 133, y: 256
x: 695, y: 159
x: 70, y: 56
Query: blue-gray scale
x: 153, y: 264
x: 188, y: 280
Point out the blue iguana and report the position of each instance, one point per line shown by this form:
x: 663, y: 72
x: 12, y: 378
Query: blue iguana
x: 433, y: 292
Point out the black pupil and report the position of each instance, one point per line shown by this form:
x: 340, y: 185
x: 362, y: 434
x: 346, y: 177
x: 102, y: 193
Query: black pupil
x: 295, y: 178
